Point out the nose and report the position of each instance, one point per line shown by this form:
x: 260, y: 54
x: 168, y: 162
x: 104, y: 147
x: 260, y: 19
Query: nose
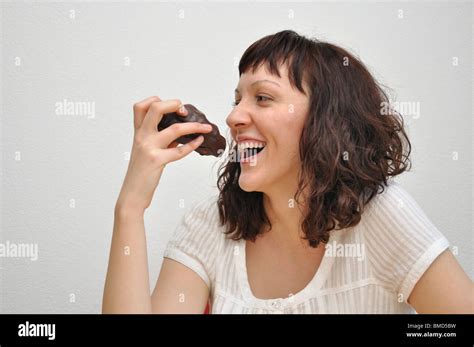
x: 238, y: 118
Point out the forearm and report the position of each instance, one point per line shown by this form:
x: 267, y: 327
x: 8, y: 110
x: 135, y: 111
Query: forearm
x: 127, y: 286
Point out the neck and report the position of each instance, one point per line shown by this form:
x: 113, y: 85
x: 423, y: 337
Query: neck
x: 284, y: 213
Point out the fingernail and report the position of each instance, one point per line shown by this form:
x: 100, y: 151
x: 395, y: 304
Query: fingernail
x: 207, y: 127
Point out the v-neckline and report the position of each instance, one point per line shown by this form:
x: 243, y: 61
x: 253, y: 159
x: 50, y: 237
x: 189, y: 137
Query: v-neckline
x: 312, y: 287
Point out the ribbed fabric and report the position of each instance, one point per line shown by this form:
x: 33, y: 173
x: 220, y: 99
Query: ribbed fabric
x: 396, y: 244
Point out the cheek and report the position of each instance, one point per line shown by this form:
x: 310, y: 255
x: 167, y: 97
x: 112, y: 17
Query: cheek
x: 283, y: 128
x: 285, y: 139
x: 291, y: 134
x: 291, y: 129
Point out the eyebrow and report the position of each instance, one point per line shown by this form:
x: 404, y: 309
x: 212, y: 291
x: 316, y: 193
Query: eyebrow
x: 259, y: 81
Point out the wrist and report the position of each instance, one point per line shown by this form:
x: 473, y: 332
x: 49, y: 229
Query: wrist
x: 126, y: 210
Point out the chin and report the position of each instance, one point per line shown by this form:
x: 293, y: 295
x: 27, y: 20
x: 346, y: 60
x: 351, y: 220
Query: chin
x: 249, y: 183
x: 247, y: 186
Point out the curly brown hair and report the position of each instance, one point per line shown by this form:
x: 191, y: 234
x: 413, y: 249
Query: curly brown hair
x: 350, y: 145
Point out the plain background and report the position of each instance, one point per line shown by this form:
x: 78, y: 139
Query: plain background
x: 115, y: 54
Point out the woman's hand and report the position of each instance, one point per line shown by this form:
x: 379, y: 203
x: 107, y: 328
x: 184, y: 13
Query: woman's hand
x: 152, y: 150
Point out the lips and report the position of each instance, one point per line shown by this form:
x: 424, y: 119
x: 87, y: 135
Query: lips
x: 244, y: 138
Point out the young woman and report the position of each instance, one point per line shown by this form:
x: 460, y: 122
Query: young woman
x: 308, y: 218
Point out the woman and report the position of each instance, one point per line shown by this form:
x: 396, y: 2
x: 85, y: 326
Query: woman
x: 308, y: 219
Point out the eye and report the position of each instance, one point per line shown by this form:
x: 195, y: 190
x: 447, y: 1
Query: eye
x: 266, y: 98
x: 258, y: 97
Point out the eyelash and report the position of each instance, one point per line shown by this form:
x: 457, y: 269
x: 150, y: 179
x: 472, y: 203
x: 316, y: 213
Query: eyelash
x: 235, y: 103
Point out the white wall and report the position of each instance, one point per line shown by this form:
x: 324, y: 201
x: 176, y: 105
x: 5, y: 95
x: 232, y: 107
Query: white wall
x: 78, y: 157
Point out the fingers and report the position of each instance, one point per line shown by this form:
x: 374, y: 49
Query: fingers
x: 173, y: 144
x: 140, y: 109
x: 182, y: 111
x: 156, y: 111
x: 173, y: 154
x: 170, y: 134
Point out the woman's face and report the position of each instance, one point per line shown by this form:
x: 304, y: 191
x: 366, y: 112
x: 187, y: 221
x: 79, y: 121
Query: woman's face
x: 272, y: 113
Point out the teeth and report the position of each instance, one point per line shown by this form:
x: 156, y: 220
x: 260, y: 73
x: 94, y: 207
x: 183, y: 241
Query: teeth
x: 242, y: 146
x: 249, y: 144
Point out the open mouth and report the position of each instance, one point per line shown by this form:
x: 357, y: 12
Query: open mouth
x: 249, y: 154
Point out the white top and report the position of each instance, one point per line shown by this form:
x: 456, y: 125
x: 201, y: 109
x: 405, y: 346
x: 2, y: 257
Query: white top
x: 369, y: 268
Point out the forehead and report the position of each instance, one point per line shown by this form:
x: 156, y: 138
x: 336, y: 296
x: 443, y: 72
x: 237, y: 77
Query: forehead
x: 262, y: 73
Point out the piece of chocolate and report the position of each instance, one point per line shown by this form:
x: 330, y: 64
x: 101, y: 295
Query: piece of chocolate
x: 213, y: 144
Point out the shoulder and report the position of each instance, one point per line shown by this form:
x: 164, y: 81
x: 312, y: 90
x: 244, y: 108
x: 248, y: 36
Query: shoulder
x: 200, y: 219
x: 400, y: 238
x: 394, y: 214
x: 197, y: 239
x: 390, y: 198
x: 207, y: 206
x: 394, y: 206
x: 202, y: 214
